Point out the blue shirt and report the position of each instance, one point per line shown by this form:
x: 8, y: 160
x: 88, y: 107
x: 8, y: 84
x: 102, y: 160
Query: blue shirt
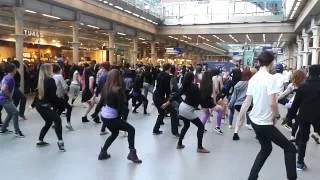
x: 7, y: 81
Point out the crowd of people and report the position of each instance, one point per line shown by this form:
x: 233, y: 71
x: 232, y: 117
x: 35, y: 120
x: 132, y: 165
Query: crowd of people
x: 254, y: 95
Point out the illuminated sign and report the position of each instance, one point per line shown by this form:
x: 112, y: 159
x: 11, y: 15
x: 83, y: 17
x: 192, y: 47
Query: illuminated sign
x: 31, y: 33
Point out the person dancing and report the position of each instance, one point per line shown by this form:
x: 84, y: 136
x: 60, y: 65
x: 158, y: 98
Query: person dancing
x: 187, y: 110
x: 262, y: 91
x: 114, y: 114
x: 45, y: 100
x: 75, y: 86
x: 87, y: 92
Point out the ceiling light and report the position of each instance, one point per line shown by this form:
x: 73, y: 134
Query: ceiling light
x: 110, y: 4
x: 248, y: 37
x: 54, y: 41
x: 280, y: 37
x: 141, y: 39
x: 264, y: 37
x: 106, y: 2
x: 137, y: 15
x: 143, y: 18
x: 118, y: 7
x: 29, y: 11
x: 81, y: 24
x: 50, y: 16
x: 170, y: 36
x: 127, y: 11
x: 233, y: 38
x: 122, y: 34
x: 94, y: 27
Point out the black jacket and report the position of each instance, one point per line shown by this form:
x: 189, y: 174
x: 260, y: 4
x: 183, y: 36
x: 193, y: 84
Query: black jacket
x: 307, y: 101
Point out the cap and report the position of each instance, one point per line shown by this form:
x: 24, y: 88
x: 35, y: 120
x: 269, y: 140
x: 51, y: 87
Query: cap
x: 279, y: 68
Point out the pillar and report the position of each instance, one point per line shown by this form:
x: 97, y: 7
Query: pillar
x: 299, y: 53
x: 134, y: 51
x: 306, y: 39
x: 145, y: 52
x: 153, y: 52
x: 18, y: 14
x: 315, y: 46
x: 75, y: 43
x: 112, y: 48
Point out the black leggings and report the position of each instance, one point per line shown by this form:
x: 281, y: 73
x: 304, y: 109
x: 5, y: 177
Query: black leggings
x: 139, y: 100
x: 49, y: 116
x: 197, y: 122
x: 266, y: 134
x: 67, y: 106
x: 114, y: 125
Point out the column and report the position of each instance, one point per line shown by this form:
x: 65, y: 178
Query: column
x: 134, y: 51
x: 153, y: 52
x: 305, y: 37
x: 112, y: 48
x: 315, y: 46
x: 18, y: 13
x: 75, y: 43
x: 299, y: 53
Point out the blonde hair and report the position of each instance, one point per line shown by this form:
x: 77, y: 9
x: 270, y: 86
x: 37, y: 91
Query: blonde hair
x: 45, y: 72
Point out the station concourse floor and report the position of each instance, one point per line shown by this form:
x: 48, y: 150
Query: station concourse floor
x: 20, y: 159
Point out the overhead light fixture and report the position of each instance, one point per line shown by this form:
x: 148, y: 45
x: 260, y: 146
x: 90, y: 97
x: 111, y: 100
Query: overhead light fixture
x: 137, y: 15
x: 233, y: 38
x: 122, y: 34
x: 264, y: 37
x: 118, y: 7
x: 29, y: 11
x: 94, y: 27
x: 81, y: 24
x: 280, y: 37
x: 141, y: 39
x: 218, y: 38
x: 106, y: 2
x: 110, y: 4
x: 248, y: 37
x: 213, y: 47
x: 50, y: 16
x: 143, y: 18
x: 127, y: 11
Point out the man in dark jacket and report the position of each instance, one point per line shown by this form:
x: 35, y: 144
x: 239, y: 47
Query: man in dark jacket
x: 307, y: 100
x: 160, y: 96
x: 18, y: 97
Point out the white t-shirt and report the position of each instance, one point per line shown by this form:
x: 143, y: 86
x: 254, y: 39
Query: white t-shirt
x: 261, y: 86
x: 280, y: 80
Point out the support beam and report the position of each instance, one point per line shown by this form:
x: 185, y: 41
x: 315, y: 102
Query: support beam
x: 315, y: 48
x: 112, y: 48
x: 153, y: 52
x: 75, y: 43
x: 18, y: 14
x: 135, y: 51
x: 227, y: 29
x: 299, y: 54
x: 311, y: 7
x: 306, y: 40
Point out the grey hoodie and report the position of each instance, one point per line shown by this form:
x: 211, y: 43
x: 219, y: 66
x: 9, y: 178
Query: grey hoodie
x: 239, y: 93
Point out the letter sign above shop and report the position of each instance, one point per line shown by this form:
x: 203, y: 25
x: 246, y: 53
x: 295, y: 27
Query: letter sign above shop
x: 31, y: 33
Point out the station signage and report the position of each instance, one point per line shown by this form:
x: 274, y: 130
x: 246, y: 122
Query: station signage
x: 174, y: 51
x: 32, y: 33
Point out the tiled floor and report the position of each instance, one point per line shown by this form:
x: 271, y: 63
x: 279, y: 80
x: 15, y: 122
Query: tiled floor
x: 228, y: 160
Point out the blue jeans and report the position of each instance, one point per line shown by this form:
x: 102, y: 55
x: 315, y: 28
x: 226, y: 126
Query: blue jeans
x: 12, y: 113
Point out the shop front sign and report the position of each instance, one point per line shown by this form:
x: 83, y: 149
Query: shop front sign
x: 32, y: 33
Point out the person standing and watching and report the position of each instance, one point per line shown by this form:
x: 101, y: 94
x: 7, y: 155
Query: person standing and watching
x: 280, y: 79
x: 262, y: 92
x: 18, y: 97
x: 7, y: 89
x: 306, y: 101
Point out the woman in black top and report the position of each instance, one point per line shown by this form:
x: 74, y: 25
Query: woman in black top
x: 136, y: 94
x: 114, y: 114
x: 45, y: 101
x: 187, y: 110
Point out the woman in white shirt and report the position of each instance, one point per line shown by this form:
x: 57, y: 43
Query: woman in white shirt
x: 75, y: 86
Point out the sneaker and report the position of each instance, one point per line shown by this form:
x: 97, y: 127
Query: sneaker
x: 157, y: 132
x: 23, y: 116
x: 6, y: 131
x: 42, y: 143
x: 19, y: 134
x: 315, y: 138
x: 68, y: 126
x: 61, y: 146
x: 103, y: 155
x: 230, y: 126
x: 249, y: 126
x: 134, y: 111
x: 85, y: 119
x: 235, y: 137
x: 180, y: 146
x: 202, y: 150
x: 218, y: 130
x: 301, y: 167
x: 103, y: 133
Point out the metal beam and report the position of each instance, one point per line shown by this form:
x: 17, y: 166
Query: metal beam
x: 227, y: 29
x: 108, y: 13
x: 310, y: 9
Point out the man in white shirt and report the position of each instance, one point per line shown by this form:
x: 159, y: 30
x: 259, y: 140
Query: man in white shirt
x: 280, y: 78
x: 262, y: 92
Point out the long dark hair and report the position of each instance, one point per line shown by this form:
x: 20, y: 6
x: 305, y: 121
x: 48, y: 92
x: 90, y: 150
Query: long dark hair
x: 113, y: 82
x: 187, y: 80
x: 206, y: 84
